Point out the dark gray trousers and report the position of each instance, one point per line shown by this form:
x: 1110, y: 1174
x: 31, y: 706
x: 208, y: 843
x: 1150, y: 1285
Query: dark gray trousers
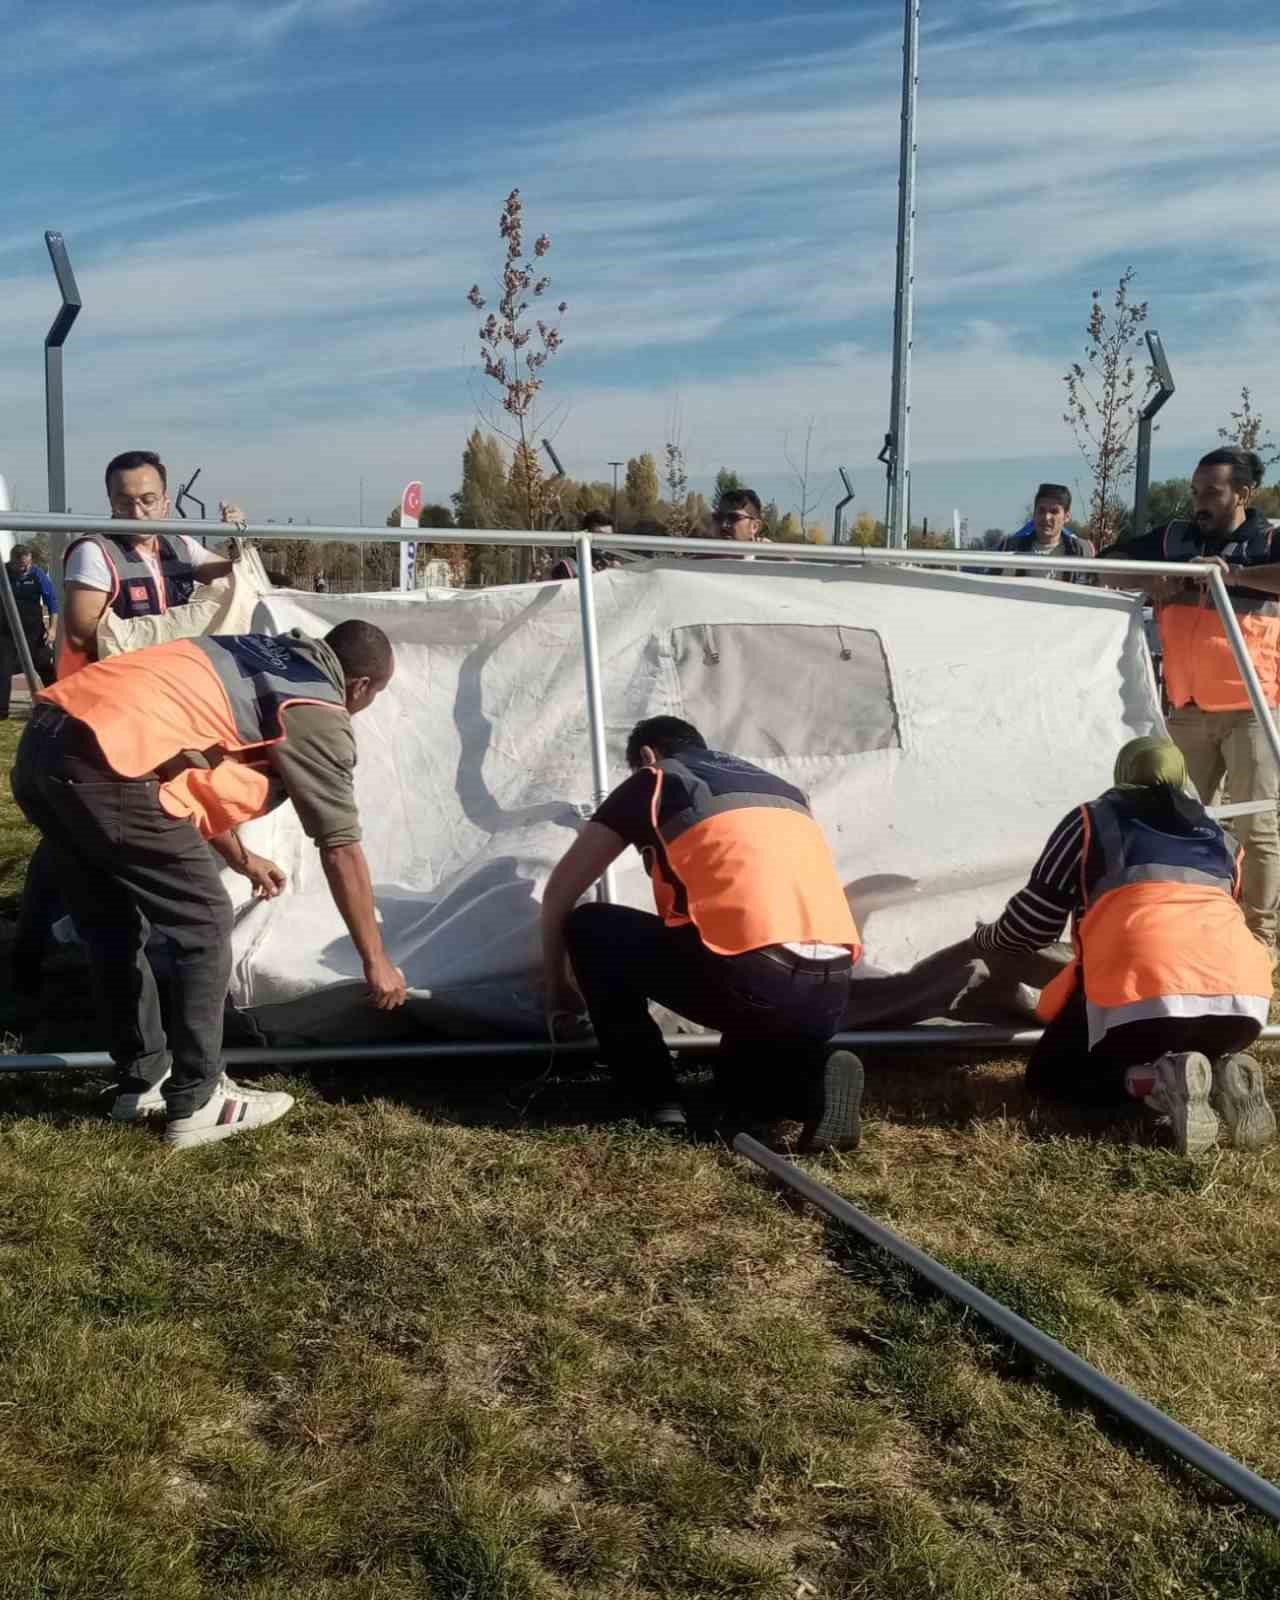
x: 126, y: 867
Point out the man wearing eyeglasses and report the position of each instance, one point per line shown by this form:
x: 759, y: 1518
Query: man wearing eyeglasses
x: 133, y: 574
x: 738, y: 517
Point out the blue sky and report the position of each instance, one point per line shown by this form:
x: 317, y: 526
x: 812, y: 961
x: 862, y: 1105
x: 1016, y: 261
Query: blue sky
x: 276, y: 208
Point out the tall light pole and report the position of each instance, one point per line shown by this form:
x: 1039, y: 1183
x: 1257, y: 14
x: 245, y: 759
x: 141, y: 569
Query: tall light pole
x: 896, y: 454
x: 1164, y: 388
x: 615, y: 465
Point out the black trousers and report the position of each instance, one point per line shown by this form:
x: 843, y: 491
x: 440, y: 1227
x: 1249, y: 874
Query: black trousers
x: 11, y: 662
x: 776, y: 1013
x: 1063, y: 1067
x: 126, y: 867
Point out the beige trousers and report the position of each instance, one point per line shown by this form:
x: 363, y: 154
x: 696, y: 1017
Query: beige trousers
x: 1231, y: 745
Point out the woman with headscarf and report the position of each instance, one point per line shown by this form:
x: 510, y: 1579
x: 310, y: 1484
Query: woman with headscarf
x: 1168, y: 986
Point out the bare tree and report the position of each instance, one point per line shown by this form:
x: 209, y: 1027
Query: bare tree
x: 515, y: 369
x: 799, y: 462
x: 1101, y: 393
x: 1248, y: 431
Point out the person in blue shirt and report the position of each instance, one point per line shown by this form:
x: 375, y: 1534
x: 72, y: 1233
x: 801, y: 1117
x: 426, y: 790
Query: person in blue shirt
x: 38, y: 612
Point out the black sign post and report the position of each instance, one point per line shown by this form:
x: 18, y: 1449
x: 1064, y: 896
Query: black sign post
x: 54, y: 340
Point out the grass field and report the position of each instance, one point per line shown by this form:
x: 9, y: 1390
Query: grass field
x: 416, y: 1341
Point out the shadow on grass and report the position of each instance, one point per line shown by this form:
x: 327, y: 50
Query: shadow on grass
x: 948, y: 1090
x: 916, y: 1333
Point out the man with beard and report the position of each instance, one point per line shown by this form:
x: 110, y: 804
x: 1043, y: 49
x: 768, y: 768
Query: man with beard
x: 1211, y: 719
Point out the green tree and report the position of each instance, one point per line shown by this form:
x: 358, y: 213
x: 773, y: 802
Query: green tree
x: 726, y: 481
x: 676, y: 508
x: 1268, y: 502
x: 1168, y: 499
x: 866, y: 532
x: 640, y: 498
x: 483, y: 500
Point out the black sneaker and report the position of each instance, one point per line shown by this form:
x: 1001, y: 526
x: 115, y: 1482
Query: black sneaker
x: 836, y: 1123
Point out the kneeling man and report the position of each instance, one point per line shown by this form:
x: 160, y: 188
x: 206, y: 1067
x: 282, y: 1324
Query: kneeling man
x: 753, y: 935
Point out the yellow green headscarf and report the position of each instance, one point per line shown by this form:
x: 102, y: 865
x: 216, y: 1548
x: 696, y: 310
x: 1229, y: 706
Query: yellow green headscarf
x: 1148, y: 762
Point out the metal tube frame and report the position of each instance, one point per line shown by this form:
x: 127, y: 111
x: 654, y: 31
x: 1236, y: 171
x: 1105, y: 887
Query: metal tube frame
x: 967, y: 1036
x: 1114, y: 1397
x: 595, y: 700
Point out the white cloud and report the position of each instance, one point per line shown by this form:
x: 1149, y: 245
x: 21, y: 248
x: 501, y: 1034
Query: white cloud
x: 747, y: 224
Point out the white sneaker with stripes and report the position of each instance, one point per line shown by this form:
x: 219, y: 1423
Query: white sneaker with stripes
x: 228, y: 1111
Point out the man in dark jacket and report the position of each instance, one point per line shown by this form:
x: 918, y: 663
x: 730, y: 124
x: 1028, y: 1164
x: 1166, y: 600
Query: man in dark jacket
x: 37, y: 612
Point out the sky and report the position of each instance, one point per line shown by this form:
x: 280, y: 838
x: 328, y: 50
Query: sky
x: 275, y: 209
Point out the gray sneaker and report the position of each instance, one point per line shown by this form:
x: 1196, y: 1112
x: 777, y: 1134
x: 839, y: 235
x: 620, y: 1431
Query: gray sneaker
x: 1240, y: 1100
x: 1180, y: 1099
x: 836, y: 1120
x: 229, y: 1110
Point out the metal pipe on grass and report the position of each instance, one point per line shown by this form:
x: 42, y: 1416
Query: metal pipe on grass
x: 1113, y: 1397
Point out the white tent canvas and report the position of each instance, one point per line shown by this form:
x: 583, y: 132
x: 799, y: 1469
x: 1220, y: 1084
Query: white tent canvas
x: 940, y: 723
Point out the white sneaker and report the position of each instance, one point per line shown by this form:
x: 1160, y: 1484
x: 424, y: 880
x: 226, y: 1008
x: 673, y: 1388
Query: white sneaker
x: 229, y: 1110
x: 1180, y: 1097
x: 138, y: 1105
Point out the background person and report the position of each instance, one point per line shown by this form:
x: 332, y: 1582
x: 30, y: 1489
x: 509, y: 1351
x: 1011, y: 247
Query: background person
x: 1047, y: 534
x: 1168, y: 984
x: 38, y: 614
x: 753, y: 934
x: 128, y: 767
x: 1211, y: 718
x: 133, y: 574
x: 739, y: 519
x: 566, y: 566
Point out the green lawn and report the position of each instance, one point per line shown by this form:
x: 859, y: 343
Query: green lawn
x: 17, y: 839
x: 413, y: 1342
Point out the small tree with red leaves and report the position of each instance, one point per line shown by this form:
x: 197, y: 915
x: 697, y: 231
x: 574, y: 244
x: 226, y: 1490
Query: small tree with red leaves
x: 514, y: 355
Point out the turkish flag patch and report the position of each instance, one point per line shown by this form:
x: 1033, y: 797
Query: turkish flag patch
x: 138, y: 593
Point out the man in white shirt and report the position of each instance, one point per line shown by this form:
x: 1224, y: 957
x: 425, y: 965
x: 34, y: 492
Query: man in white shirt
x: 133, y: 574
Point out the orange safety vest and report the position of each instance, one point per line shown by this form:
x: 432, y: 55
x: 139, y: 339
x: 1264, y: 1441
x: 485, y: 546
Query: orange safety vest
x: 134, y: 590
x: 1161, y: 928
x: 190, y: 711
x: 740, y: 856
x: 1199, y: 668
